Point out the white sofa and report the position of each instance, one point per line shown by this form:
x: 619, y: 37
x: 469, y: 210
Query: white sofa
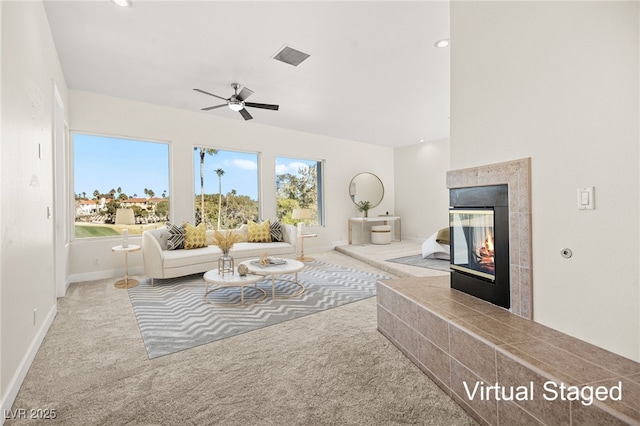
x: 159, y: 262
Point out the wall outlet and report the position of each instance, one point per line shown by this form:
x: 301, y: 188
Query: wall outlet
x: 96, y: 262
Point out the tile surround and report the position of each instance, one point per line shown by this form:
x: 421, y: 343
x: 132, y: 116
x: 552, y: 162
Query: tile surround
x: 453, y: 337
x: 517, y: 176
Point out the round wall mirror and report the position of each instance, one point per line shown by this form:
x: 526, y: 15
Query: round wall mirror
x: 366, y: 187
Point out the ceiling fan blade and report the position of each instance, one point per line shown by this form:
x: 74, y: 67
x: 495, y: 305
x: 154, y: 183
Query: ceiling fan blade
x: 245, y: 114
x: 213, y: 107
x: 263, y: 106
x: 210, y: 94
x: 244, y: 94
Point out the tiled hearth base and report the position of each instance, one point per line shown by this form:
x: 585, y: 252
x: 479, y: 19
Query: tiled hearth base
x: 455, y: 339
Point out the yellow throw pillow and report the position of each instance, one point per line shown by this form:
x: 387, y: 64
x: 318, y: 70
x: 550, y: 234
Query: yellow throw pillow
x: 195, y: 236
x: 259, y: 233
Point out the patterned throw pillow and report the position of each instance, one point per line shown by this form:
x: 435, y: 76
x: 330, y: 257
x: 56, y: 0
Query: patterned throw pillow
x: 195, y: 236
x: 259, y: 233
x: 276, y: 231
x: 175, y: 240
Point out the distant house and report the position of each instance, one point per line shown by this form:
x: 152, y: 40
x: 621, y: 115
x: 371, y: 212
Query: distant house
x: 86, y: 207
x: 89, y: 207
x: 144, y: 203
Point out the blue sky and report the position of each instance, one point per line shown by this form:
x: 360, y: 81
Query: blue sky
x: 104, y: 163
x: 240, y: 173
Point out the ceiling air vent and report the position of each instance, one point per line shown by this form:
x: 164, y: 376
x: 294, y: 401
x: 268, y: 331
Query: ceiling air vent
x: 290, y: 56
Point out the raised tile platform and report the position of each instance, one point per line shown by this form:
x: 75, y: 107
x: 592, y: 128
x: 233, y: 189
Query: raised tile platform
x: 457, y: 339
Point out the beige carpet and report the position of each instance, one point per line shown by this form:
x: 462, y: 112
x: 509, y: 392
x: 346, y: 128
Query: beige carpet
x: 329, y: 368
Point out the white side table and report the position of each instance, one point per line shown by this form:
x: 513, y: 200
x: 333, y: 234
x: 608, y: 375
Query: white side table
x: 126, y: 282
x: 302, y: 257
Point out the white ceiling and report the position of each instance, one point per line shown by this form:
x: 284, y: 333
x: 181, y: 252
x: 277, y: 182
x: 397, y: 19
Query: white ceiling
x: 374, y: 74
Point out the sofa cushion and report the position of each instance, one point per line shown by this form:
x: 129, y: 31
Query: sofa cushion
x: 195, y: 236
x: 175, y: 239
x: 259, y: 233
x: 160, y: 235
x: 209, y: 237
x: 243, y: 231
x: 255, y: 250
x: 180, y: 258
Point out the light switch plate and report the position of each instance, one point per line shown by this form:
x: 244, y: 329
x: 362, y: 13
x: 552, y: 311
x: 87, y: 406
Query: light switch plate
x: 585, y: 198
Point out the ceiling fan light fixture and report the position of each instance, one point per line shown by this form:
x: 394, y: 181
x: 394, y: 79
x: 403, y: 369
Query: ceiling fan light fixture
x: 236, y: 105
x: 123, y: 3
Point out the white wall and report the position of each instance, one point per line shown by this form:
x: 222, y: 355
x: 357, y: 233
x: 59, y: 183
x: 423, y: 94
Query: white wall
x: 185, y: 129
x: 422, y: 197
x: 558, y: 82
x: 30, y: 67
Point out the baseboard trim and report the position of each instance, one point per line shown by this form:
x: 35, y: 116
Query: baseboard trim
x: 103, y: 275
x: 20, y: 374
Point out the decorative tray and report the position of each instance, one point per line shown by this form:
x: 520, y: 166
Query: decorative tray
x: 272, y: 262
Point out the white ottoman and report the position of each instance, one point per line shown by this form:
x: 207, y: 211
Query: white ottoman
x: 381, y: 234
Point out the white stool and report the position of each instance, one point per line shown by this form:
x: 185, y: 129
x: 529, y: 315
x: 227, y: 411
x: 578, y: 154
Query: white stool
x: 381, y: 234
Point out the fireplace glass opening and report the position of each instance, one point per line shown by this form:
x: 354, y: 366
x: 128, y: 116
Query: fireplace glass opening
x: 472, y: 245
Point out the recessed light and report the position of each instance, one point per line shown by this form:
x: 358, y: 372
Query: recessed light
x: 123, y: 3
x: 420, y: 140
x: 442, y: 43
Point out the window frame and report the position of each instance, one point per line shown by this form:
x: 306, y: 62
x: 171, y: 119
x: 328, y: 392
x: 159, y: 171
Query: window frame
x: 259, y: 194
x: 71, y: 155
x: 320, y: 186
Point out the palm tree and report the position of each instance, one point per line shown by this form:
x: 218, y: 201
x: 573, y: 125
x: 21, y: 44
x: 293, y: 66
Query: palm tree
x: 219, y: 172
x: 203, y: 152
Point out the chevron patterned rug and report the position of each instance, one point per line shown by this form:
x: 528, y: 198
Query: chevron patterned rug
x: 172, y: 315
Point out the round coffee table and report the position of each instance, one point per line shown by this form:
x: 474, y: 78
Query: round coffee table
x: 277, y: 268
x: 232, y: 280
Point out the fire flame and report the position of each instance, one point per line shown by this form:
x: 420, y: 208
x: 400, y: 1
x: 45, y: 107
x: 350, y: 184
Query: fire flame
x: 486, y: 252
x: 488, y: 243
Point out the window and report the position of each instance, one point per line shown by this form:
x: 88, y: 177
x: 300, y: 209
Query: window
x: 115, y: 173
x: 299, y: 186
x: 226, y: 184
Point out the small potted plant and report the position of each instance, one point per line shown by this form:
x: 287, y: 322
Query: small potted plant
x: 364, y: 206
x: 225, y: 241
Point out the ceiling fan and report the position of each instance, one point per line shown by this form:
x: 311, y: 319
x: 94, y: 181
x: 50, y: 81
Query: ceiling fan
x: 237, y: 101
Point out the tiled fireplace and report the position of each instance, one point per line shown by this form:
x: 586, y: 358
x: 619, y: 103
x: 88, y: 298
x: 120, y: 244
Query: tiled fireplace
x: 516, y: 175
x: 464, y: 343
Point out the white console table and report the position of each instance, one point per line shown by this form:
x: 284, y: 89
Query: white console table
x: 397, y: 228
